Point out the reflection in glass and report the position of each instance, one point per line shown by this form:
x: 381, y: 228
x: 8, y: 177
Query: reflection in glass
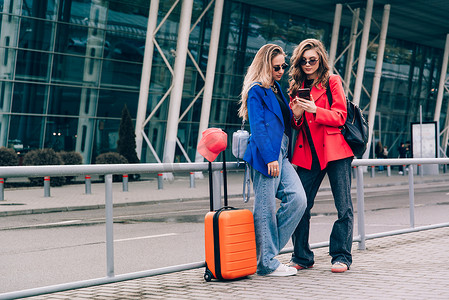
x: 29, y: 98
x: 60, y: 133
x: 64, y: 101
x: 28, y: 130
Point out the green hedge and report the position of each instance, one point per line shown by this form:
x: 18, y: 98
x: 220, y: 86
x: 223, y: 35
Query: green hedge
x: 43, y: 157
x: 70, y: 158
x: 111, y: 158
x: 8, y: 157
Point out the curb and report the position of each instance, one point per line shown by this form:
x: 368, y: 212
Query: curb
x: 173, y: 200
x: 101, y: 206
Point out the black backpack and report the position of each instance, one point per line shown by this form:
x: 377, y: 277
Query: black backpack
x: 356, y: 127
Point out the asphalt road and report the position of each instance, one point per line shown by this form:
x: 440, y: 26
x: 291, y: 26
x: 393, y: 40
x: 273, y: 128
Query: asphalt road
x: 53, y: 248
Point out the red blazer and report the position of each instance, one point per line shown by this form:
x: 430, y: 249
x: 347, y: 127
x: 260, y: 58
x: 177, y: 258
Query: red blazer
x: 329, y: 143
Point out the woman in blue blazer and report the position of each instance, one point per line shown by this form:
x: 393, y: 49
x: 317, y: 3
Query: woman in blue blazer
x: 268, y: 153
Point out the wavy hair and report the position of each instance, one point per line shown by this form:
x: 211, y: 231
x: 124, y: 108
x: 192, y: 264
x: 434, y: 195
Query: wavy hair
x: 297, y: 75
x: 260, y: 70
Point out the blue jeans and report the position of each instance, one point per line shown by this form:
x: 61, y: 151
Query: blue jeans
x: 340, y: 244
x: 273, y: 226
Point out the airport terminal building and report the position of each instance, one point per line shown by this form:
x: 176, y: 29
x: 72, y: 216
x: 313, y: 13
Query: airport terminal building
x: 68, y: 67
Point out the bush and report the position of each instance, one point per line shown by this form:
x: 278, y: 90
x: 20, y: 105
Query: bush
x: 111, y: 158
x: 43, y: 157
x: 70, y: 158
x: 8, y: 157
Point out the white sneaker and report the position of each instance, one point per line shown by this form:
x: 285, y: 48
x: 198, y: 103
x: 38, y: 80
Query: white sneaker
x: 283, y: 270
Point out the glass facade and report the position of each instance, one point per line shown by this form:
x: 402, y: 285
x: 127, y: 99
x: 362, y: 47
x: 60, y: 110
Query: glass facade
x: 69, y: 66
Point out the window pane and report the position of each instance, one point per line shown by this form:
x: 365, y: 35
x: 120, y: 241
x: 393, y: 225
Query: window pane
x: 32, y: 65
x: 111, y: 103
x: 27, y: 130
x: 29, y: 98
x: 68, y: 69
x: 106, y: 137
x: 36, y: 34
x: 61, y: 133
x: 64, y: 101
x: 39, y: 9
x: 121, y: 74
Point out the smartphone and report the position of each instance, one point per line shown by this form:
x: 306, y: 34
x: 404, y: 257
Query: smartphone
x: 304, y: 93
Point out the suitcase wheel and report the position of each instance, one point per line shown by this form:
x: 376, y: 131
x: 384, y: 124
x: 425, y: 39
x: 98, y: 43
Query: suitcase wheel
x: 208, y: 275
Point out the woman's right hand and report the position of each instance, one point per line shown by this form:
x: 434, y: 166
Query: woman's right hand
x: 273, y: 168
x: 296, y: 107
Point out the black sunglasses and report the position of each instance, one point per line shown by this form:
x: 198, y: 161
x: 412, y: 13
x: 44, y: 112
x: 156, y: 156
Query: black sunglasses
x: 311, y: 62
x: 277, y: 68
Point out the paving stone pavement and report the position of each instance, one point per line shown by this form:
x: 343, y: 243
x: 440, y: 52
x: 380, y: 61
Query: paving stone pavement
x: 390, y: 268
x: 407, y: 266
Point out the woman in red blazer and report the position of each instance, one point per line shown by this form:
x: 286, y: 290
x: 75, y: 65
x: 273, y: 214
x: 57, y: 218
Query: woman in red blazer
x: 321, y: 148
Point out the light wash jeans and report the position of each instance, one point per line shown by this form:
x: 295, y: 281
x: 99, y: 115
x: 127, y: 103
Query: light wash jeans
x: 273, y: 226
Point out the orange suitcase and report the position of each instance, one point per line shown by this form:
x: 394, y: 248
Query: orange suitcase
x: 230, y: 239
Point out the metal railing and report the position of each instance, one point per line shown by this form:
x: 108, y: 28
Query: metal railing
x: 109, y: 170
x: 411, y: 162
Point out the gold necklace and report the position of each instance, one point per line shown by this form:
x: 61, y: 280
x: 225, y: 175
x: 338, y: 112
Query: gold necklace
x: 274, y: 88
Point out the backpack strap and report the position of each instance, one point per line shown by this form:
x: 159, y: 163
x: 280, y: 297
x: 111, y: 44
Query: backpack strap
x: 329, y: 93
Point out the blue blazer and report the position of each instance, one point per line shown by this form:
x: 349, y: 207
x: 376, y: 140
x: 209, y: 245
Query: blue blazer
x: 267, y: 127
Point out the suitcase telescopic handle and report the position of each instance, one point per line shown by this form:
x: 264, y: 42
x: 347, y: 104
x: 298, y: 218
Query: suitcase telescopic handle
x: 225, y: 183
x: 226, y: 208
x: 211, y: 193
x: 225, y: 180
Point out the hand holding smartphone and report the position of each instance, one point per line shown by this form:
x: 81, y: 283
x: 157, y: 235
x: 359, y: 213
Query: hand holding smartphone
x: 304, y: 93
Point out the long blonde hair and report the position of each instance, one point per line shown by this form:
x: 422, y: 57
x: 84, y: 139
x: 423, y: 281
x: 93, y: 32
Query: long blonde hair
x: 297, y: 75
x: 260, y: 70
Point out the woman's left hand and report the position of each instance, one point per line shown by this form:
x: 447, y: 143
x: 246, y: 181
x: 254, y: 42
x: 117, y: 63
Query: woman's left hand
x: 308, y: 105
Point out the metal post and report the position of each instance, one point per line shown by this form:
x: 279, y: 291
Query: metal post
x: 377, y: 75
x: 178, y: 82
x: 362, y: 53
x: 411, y: 194
x: 442, y: 80
x: 146, y: 74
x: 160, y: 181
x: 109, y: 226
x: 2, y: 189
x: 350, y: 61
x: 88, y: 184
x: 361, y: 209
x: 210, y: 75
x: 445, y: 139
x: 373, y: 171
x: 441, y: 88
x: 192, y: 180
x: 47, y: 186
x: 334, y: 40
x: 125, y: 182
x: 388, y: 171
